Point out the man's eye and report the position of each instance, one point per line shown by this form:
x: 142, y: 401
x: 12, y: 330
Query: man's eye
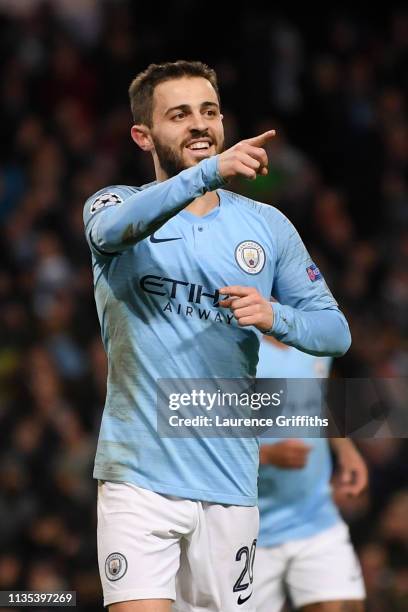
x: 179, y: 116
x: 210, y: 113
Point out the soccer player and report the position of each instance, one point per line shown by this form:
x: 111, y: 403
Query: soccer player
x: 177, y: 517
x: 304, y: 549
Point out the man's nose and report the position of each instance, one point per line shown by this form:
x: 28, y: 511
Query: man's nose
x: 197, y: 123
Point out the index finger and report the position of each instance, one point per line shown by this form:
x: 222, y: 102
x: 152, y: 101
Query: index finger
x: 259, y: 141
x: 236, y: 290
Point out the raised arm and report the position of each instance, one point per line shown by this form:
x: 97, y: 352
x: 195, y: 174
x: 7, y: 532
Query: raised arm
x: 117, y: 218
x: 129, y: 217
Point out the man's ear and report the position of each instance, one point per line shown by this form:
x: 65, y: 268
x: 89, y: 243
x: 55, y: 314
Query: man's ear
x: 141, y: 135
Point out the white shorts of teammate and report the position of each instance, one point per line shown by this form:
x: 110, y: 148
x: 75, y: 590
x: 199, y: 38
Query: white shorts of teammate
x: 321, y: 568
x: 153, y: 546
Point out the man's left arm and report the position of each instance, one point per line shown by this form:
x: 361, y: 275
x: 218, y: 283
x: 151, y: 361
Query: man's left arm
x: 305, y: 314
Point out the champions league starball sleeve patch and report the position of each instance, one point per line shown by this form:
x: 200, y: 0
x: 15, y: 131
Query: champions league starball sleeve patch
x: 104, y: 200
x: 314, y: 273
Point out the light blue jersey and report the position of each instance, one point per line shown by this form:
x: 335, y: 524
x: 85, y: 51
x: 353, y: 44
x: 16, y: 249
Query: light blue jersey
x: 157, y: 270
x: 295, y: 503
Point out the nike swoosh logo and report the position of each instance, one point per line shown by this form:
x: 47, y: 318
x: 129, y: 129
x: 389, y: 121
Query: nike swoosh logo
x: 242, y: 600
x: 156, y: 240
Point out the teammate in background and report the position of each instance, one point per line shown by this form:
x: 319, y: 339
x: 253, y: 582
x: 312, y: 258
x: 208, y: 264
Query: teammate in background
x: 177, y: 517
x: 304, y: 549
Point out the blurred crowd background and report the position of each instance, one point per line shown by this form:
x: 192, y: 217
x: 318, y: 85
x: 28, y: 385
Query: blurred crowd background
x: 335, y: 87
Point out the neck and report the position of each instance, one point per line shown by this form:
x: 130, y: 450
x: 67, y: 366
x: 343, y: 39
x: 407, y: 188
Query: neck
x: 203, y: 205
x: 160, y: 173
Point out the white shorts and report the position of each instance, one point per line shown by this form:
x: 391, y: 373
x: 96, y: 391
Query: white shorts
x: 153, y: 546
x: 323, y: 567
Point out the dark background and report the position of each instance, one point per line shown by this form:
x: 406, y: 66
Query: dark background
x: 334, y: 84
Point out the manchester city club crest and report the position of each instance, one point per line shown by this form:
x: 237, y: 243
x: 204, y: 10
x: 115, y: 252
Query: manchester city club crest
x: 115, y: 566
x: 250, y: 256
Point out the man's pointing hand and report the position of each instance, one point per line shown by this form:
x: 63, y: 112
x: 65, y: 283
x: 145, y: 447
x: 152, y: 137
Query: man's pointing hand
x: 247, y: 158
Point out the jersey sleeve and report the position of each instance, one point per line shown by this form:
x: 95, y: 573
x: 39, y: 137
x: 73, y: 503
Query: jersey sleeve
x: 306, y: 315
x: 100, y: 203
x: 116, y: 218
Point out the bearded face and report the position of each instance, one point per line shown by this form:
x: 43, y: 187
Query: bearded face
x: 186, y: 124
x: 174, y: 158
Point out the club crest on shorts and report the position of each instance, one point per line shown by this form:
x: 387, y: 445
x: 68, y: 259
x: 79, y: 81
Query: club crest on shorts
x: 250, y: 256
x: 115, y: 566
x: 105, y: 199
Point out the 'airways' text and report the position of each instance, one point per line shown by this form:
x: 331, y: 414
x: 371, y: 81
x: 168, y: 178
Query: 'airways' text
x: 201, y: 313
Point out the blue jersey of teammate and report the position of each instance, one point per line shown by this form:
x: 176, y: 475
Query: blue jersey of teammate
x: 157, y: 270
x: 295, y: 503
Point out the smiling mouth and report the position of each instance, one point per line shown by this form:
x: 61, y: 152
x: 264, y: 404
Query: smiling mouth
x: 199, y: 146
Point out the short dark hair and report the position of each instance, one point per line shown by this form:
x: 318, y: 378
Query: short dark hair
x: 142, y: 87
